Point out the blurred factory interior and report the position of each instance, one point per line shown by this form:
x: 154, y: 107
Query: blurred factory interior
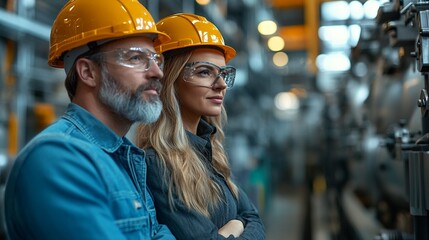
x: 327, y: 120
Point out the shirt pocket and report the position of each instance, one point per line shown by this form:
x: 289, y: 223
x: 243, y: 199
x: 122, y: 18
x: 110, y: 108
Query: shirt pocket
x: 129, y: 210
x: 132, y: 224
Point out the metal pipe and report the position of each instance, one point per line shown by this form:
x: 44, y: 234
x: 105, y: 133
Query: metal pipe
x: 14, y: 23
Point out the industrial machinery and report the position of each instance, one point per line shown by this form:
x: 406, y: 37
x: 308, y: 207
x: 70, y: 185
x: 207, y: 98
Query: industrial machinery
x: 394, y: 136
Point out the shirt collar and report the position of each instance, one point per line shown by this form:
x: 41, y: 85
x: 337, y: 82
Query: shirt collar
x: 204, y: 132
x: 95, y: 131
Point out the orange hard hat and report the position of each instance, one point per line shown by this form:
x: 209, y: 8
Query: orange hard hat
x: 84, y: 21
x: 190, y: 30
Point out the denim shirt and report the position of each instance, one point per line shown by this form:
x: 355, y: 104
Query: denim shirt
x: 78, y: 180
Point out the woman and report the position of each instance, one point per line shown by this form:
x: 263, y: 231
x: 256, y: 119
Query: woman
x: 188, y: 171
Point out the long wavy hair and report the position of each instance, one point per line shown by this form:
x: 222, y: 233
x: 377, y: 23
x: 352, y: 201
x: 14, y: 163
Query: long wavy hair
x: 186, y: 174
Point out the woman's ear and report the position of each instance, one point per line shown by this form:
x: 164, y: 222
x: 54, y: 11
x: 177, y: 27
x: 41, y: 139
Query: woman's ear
x: 86, y: 71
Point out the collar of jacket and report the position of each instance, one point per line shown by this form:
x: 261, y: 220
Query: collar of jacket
x: 95, y: 131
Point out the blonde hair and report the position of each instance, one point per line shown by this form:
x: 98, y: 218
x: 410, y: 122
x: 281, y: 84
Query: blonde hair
x: 185, y: 172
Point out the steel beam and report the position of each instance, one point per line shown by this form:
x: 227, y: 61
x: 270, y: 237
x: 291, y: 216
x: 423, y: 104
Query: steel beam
x: 14, y: 23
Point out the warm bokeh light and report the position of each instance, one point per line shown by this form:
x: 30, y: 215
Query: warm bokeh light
x: 276, y: 43
x: 203, y: 2
x: 267, y: 27
x: 299, y: 92
x: 286, y: 101
x: 280, y: 59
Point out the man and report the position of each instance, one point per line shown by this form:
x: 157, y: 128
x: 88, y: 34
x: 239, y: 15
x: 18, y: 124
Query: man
x: 77, y: 179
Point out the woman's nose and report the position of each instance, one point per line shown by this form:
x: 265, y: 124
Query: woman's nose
x: 220, y: 83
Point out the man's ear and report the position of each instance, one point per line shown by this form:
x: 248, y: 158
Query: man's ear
x: 87, y: 71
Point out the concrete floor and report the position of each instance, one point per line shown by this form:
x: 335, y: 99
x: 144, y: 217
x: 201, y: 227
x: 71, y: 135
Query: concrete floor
x: 286, y: 217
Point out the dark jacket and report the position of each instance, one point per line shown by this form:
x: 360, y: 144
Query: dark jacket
x: 188, y: 224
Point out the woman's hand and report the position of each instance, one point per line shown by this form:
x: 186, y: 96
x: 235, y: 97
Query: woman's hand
x: 234, y: 227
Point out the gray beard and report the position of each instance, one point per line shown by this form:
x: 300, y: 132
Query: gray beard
x: 130, y: 105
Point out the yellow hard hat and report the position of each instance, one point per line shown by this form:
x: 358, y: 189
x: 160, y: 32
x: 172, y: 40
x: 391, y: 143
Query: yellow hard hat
x: 190, y: 30
x: 84, y: 21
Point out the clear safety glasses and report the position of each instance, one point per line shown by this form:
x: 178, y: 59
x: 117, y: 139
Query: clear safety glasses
x: 206, y: 74
x: 138, y: 58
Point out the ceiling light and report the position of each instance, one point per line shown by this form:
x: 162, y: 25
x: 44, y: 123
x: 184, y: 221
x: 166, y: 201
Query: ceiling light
x: 335, y: 36
x: 335, y: 10
x: 267, y: 27
x: 280, y: 59
x: 333, y: 62
x: 356, y: 10
x: 371, y: 8
x: 276, y: 43
x: 286, y: 101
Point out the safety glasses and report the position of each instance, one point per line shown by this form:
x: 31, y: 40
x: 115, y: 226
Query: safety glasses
x: 137, y: 58
x: 206, y: 74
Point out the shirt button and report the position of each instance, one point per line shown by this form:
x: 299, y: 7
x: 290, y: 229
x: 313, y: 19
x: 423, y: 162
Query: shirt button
x: 137, y: 204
